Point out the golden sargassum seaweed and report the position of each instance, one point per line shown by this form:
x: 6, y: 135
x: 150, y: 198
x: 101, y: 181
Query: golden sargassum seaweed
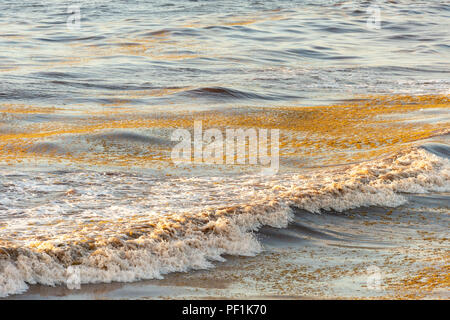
x: 356, y: 130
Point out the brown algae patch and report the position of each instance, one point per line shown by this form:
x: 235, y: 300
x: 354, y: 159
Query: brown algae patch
x: 24, y: 109
x: 324, y: 135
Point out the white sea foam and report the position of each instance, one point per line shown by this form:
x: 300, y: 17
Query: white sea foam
x: 121, y: 227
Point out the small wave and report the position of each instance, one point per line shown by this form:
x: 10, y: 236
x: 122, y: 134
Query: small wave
x: 193, y: 239
x: 57, y: 75
x: 126, y: 136
x: 438, y: 149
x: 65, y: 38
x: 226, y: 93
x: 36, y: 148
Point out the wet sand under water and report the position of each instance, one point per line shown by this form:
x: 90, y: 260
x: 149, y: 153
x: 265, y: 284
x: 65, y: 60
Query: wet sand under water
x: 319, y: 256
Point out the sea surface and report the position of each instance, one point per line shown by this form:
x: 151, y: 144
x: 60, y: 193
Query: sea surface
x: 91, y: 93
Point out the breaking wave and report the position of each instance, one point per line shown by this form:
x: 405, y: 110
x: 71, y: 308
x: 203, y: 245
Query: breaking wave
x: 130, y: 248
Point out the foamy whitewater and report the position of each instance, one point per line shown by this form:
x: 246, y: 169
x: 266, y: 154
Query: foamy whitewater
x: 88, y: 190
x: 140, y: 240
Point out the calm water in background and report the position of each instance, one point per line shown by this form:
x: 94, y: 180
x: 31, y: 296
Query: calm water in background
x: 130, y: 60
x: 302, y: 52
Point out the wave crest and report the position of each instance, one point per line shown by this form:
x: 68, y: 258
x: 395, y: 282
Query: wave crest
x: 194, y: 239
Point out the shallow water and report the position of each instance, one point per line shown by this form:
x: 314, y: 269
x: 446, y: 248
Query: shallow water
x: 86, y: 118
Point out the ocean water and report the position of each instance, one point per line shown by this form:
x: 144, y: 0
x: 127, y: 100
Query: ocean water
x: 359, y: 91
